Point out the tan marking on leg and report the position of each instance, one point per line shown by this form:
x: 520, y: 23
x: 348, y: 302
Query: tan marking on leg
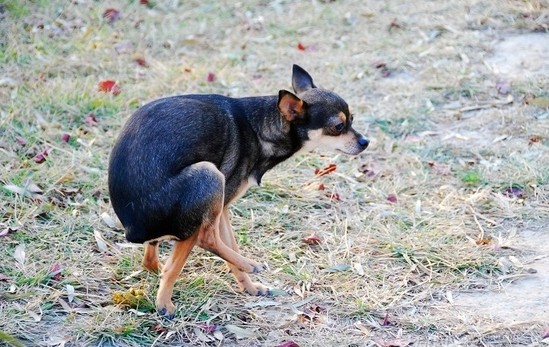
x: 150, y: 258
x: 170, y: 272
x: 243, y: 280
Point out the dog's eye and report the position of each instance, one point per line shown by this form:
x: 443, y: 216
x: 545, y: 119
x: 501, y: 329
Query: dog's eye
x: 340, y: 127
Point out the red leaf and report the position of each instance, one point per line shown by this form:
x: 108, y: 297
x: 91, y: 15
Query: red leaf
x: 209, y: 328
x: 55, y: 272
x: 158, y: 328
x: 394, y: 24
x: 534, y: 139
x: 326, y: 170
x: 115, y: 90
x: 41, y: 157
x: 65, y: 137
x: 321, y: 186
x: 392, y: 198
x: 386, y: 320
x: 301, y: 47
x: 141, y: 62
x: 111, y: 15
x: 288, y: 344
x: 91, y: 120
x: 211, y: 77
x: 144, y: 2
x: 382, y: 67
x: 106, y: 85
x: 312, y: 240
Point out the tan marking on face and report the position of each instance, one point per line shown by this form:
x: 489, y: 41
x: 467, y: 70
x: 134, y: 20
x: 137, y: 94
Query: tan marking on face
x: 342, y: 117
x: 346, y: 143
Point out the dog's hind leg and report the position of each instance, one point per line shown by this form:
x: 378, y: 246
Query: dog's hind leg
x: 209, y: 236
x: 150, y: 258
x: 169, y: 274
x: 244, y: 281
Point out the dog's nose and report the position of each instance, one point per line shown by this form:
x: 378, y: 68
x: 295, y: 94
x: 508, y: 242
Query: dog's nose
x: 363, y: 142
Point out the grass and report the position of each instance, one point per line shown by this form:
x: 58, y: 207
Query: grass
x: 384, y: 269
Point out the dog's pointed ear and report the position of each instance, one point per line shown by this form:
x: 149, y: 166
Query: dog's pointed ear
x: 301, y: 80
x: 291, y: 107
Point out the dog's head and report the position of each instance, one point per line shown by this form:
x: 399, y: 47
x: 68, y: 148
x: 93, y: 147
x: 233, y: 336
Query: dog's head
x: 320, y: 117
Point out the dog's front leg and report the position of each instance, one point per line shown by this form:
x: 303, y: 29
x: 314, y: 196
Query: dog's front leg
x: 228, y: 237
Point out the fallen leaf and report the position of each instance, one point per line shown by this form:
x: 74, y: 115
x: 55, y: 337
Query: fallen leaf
x: 70, y: 292
x: 288, y: 344
x: 484, y: 241
x: 141, y: 62
x: 326, y: 170
x: 311, y: 240
x: 363, y: 329
x: 3, y: 277
x: 23, y: 191
x: 6, y: 231
x: 337, y: 268
x: 208, y: 328
x: 239, y: 332
x: 108, y: 220
x: 41, y: 156
x: 109, y: 86
x: 503, y: 87
x: 65, y: 137
x: 359, y: 269
x: 111, y: 15
x: 514, y: 192
x: 19, y: 253
x: 538, y: 102
x: 35, y: 316
x: 55, y: 272
x: 392, y: 198
x: 301, y: 47
x: 386, y: 320
x: 321, y: 186
x: 91, y: 120
x: 101, y: 244
x: 20, y: 140
x: 123, y: 47
x: 159, y: 328
x: 382, y: 68
x: 211, y: 77
x: 534, y: 139
x: 394, y: 24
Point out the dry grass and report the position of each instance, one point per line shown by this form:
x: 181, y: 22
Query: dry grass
x: 385, y: 273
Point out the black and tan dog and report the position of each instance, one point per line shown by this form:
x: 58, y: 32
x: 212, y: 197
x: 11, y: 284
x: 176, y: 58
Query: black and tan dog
x: 181, y: 161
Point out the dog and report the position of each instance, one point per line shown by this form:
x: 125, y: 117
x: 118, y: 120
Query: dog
x: 180, y: 161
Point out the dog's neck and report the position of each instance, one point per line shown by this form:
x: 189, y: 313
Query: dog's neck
x: 277, y: 139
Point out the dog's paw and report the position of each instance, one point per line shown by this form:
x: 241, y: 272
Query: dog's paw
x: 257, y: 289
x: 167, y: 311
x: 253, y: 267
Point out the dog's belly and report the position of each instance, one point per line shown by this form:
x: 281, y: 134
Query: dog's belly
x: 243, y: 188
